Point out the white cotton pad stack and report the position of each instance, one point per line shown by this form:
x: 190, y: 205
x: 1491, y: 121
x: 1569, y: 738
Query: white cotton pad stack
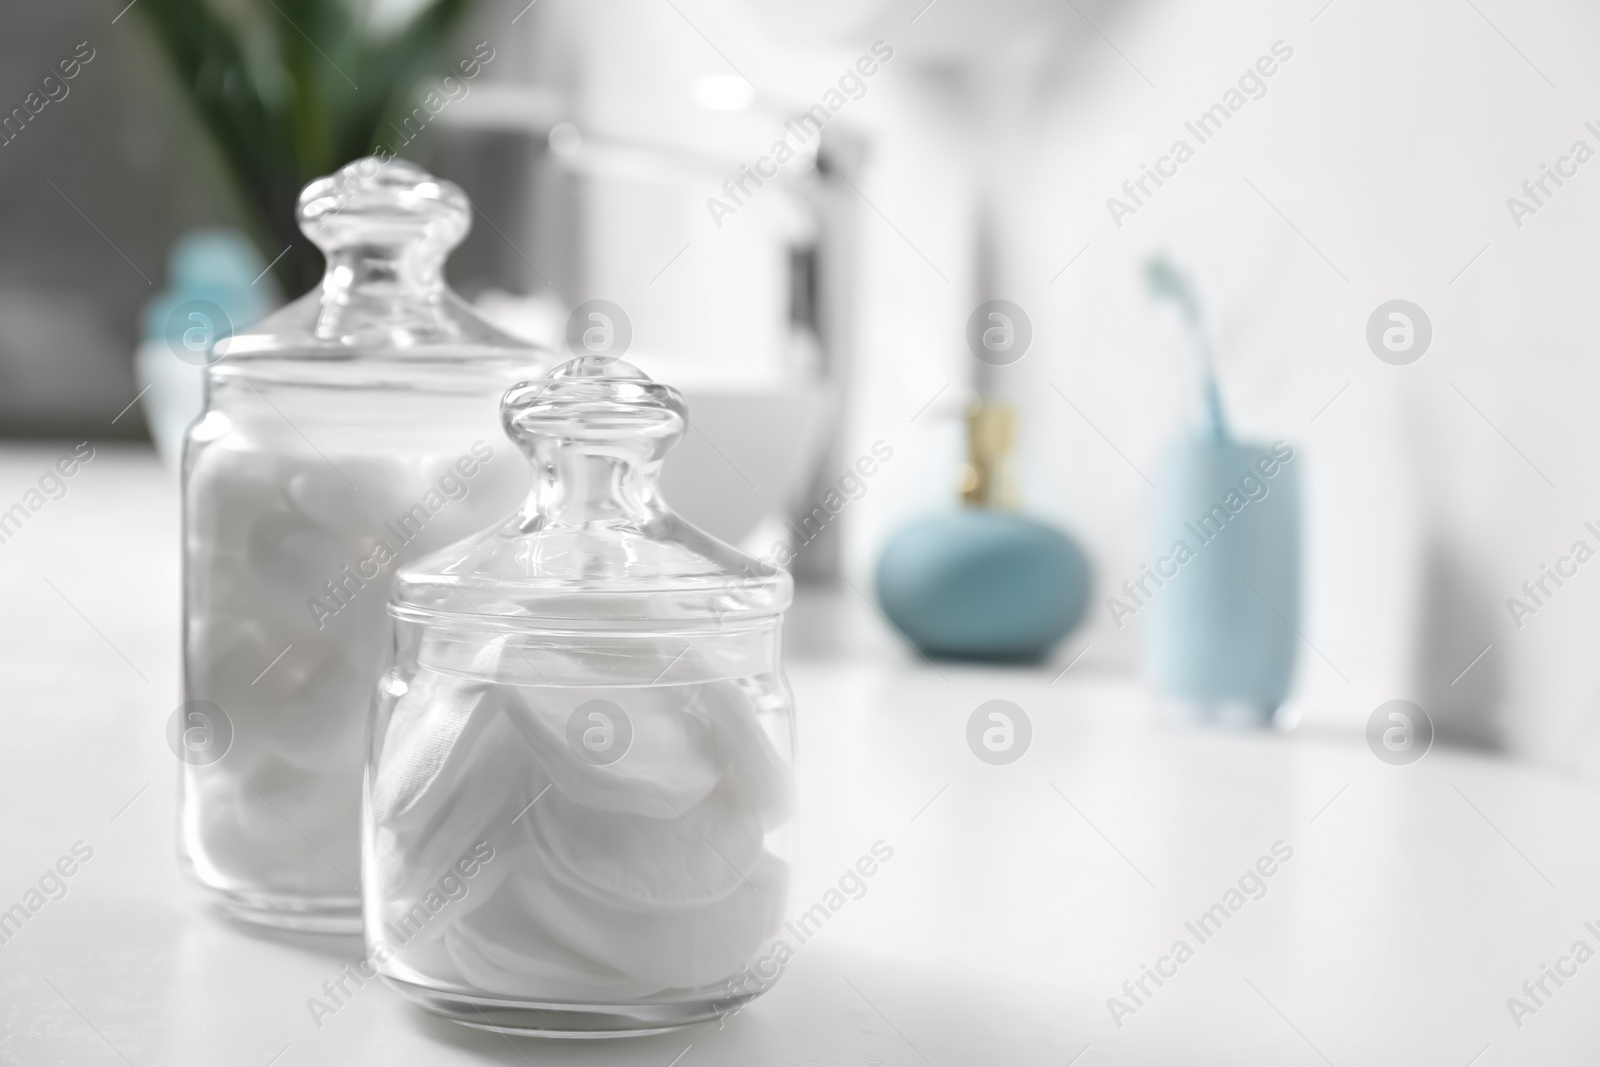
x: 671, y: 763
x: 452, y: 772
x: 505, y: 954
x: 280, y: 813
x: 621, y: 881
x: 649, y: 864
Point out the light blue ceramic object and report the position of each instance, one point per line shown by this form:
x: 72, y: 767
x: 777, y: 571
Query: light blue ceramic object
x: 216, y: 283
x: 983, y: 584
x: 1220, y: 596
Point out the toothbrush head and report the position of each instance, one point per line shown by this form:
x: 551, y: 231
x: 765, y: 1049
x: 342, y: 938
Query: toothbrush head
x: 1166, y: 282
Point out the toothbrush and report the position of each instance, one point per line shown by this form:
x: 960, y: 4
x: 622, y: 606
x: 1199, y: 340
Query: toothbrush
x: 1168, y: 283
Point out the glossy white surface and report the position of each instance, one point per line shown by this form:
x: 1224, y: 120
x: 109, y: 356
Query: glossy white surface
x: 1018, y: 899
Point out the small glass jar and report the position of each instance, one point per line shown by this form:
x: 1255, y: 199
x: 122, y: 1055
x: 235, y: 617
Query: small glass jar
x: 344, y: 435
x: 579, y: 806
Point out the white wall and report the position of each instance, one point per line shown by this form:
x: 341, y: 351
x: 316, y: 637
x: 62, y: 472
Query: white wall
x: 1390, y: 141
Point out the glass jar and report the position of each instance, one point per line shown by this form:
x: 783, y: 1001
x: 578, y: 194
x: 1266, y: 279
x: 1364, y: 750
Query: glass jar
x: 350, y: 432
x: 579, y: 806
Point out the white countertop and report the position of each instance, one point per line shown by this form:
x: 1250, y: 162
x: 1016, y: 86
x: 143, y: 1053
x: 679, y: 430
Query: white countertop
x: 1018, y: 899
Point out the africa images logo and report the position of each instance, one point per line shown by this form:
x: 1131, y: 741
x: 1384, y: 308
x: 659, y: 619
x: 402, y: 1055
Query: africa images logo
x: 600, y: 331
x: 999, y: 332
x: 599, y: 732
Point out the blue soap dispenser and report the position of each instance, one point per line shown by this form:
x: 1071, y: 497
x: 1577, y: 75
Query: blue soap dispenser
x: 984, y: 582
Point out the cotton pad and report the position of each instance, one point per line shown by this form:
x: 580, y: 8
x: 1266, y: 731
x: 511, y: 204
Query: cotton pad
x: 736, y: 711
x: 502, y: 947
x: 647, y: 864
x: 678, y: 950
x: 671, y: 763
x: 482, y: 796
x: 434, y: 723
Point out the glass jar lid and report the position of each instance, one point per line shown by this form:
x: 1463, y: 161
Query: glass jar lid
x: 385, y: 228
x: 594, y: 546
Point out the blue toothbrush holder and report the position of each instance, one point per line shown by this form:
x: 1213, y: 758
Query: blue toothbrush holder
x: 1219, y: 600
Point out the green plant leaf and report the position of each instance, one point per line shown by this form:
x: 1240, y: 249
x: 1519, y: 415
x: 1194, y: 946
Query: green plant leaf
x: 290, y: 90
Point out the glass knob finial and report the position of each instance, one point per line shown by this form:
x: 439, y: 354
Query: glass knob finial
x: 601, y: 401
x: 386, y: 227
x: 394, y: 203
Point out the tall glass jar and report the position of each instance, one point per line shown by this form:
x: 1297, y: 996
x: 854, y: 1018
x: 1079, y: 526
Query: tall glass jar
x: 350, y: 432
x: 579, y: 800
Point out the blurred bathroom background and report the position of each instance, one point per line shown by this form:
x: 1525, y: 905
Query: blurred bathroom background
x: 826, y: 310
